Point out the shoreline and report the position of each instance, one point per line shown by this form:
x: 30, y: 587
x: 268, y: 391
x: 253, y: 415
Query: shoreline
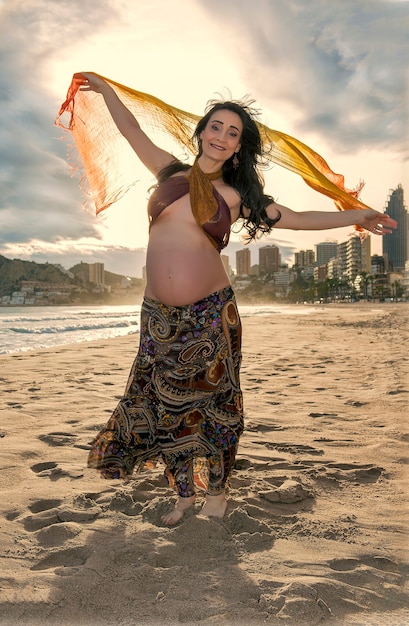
x: 271, y: 310
x: 259, y: 302
x: 316, y: 529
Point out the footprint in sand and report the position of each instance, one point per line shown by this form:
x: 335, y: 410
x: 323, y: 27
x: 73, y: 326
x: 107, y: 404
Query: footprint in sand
x: 289, y: 492
x: 360, y: 473
x: 68, y: 557
x: 292, y: 448
x: 58, y: 438
x: 38, y: 468
x: 356, y: 403
x: 242, y: 464
x: 369, y: 573
x: 263, y: 428
x: 52, y: 470
x: 11, y: 515
x: 58, y: 515
x: 381, y: 563
x: 44, y: 505
x: 88, y: 500
x: 293, y: 600
x: 239, y: 521
x: 57, y: 534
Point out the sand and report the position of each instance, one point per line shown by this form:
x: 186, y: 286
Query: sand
x: 316, y: 529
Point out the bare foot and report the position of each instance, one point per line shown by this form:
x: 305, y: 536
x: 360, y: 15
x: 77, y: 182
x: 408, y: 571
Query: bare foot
x: 176, y: 515
x: 215, y: 506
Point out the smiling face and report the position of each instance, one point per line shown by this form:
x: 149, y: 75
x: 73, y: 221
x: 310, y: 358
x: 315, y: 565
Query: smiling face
x: 221, y: 136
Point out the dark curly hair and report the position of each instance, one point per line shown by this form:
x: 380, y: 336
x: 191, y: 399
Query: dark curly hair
x: 246, y: 177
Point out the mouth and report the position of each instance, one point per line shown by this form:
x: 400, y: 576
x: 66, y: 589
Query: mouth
x: 220, y: 148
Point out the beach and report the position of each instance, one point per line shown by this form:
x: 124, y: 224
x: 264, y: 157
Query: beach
x: 316, y: 529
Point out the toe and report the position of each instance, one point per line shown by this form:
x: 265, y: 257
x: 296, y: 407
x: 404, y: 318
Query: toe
x: 172, y: 518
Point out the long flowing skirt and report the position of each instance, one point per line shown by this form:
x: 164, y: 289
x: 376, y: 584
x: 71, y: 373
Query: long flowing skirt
x: 182, y: 403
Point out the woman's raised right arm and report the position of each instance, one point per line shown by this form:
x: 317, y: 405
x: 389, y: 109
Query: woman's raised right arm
x: 153, y: 157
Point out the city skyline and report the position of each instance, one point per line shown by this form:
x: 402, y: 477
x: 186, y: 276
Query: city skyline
x: 323, y: 250
x: 348, y: 267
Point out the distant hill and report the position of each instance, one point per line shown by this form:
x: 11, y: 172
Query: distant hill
x: 13, y: 271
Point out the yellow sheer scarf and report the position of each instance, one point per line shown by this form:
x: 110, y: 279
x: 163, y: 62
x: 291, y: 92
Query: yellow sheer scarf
x: 102, y: 149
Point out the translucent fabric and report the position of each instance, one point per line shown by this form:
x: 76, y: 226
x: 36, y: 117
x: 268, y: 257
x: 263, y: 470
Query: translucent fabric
x: 103, y: 150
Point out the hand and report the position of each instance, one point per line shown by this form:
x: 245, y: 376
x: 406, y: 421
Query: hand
x: 375, y: 222
x: 91, y: 82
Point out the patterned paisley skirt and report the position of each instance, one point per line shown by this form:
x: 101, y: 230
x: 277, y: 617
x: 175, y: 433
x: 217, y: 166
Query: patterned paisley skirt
x: 182, y: 403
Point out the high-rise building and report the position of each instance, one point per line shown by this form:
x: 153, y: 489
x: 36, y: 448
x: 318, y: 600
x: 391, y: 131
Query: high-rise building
x: 378, y: 265
x: 333, y: 266
x: 243, y: 262
x: 358, y: 256
x: 269, y: 259
x: 395, y: 245
x: 97, y: 273
x: 304, y: 258
x: 325, y: 251
x: 405, y: 277
x: 354, y: 257
x: 342, y: 254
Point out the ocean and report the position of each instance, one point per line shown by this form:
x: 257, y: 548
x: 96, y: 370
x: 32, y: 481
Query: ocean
x: 30, y: 328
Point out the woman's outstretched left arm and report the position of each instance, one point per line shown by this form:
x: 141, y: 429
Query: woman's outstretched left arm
x: 369, y: 219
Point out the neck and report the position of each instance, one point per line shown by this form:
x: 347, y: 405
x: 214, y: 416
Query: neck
x: 209, y: 167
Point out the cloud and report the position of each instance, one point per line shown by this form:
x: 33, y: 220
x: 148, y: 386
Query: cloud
x: 337, y: 68
x: 37, y: 195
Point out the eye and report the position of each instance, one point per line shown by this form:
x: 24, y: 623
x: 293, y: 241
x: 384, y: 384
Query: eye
x: 215, y: 127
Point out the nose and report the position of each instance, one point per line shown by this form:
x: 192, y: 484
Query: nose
x: 223, y: 135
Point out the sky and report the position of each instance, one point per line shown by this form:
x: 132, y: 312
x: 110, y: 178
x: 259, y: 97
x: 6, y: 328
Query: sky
x: 333, y: 73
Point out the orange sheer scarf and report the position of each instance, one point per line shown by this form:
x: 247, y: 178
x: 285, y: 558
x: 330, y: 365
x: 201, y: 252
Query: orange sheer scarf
x: 202, y: 198
x: 102, y: 148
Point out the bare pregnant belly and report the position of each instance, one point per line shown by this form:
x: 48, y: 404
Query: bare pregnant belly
x: 182, y: 276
